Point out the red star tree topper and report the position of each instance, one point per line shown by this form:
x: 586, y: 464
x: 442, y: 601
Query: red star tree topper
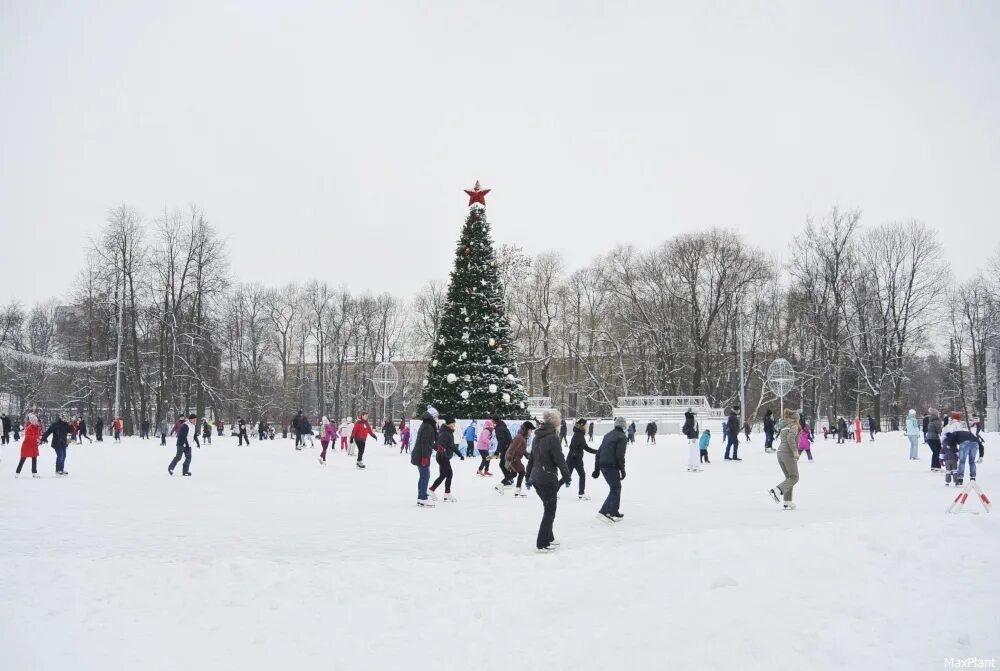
x: 477, y: 195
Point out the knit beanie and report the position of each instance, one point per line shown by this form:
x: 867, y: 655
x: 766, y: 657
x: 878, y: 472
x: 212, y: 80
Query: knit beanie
x: 620, y: 422
x: 581, y: 423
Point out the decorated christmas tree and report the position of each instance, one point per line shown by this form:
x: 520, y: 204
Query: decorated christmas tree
x: 472, y: 373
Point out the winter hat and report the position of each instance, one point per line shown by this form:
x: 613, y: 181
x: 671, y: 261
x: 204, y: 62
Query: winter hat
x: 32, y: 418
x: 551, y: 417
x: 488, y: 424
x: 957, y: 416
x: 913, y: 413
x: 582, y: 423
x: 934, y: 412
x: 448, y: 419
x: 620, y: 422
x: 528, y: 426
x: 432, y: 411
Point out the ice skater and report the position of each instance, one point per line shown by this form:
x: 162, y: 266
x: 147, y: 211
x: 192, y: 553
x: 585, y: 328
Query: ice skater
x: 769, y: 431
x: 610, y: 463
x: 965, y: 445
x: 470, y: 438
x: 327, y: 434
x: 517, y: 450
x: 805, y: 441
x: 242, y: 435
x: 484, y: 446
x: 444, y: 447
x: 83, y: 431
x: 788, y: 459
x: 187, y: 430
x: 206, y: 432
x: 5, y: 427
x: 733, y: 435
x: 548, y: 472
x: 706, y: 438
x: 933, y: 438
x: 690, y: 431
x: 421, y: 455
x: 60, y: 431
x: 404, y: 439
x: 503, y: 439
x: 117, y: 426
x: 29, y: 448
x: 912, y: 433
x: 362, y: 430
x: 346, y: 428
x: 164, y: 431
x: 577, y: 446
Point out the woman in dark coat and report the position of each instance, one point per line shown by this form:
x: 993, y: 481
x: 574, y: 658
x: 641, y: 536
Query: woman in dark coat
x: 547, y: 471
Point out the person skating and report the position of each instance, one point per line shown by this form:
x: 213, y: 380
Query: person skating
x: 841, y: 430
x: 206, y: 431
x: 187, y: 431
x: 242, y: 435
x: 327, y: 434
x: 574, y: 461
x: 29, y: 448
x: 805, y: 441
x: 470, y: 438
x: 913, y: 433
x: 389, y: 432
x: 933, y: 439
x: 118, y: 426
x: 610, y: 463
x: 5, y: 428
x: 362, y: 430
x: 967, y: 445
x: 562, y: 432
x: 164, y: 431
x: 547, y: 472
x: 706, y: 438
x: 517, y: 450
x: 746, y: 429
x: 74, y: 430
x: 444, y: 448
x: 144, y: 429
x: 872, y: 427
x: 590, y: 433
x: 769, y: 431
x: 60, y: 431
x: 99, y: 429
x: 483, y: 445
x: 346, y: 427
x: 404, y: 439
x: 503, y: 440
x: 83, y: 431
x: 690, y: 431
x: 297, y: 430
x: 421, y: 455
x: 651, y: 433
x: 733, y: 435
x: 219, y: 427
x: 631, y: 432
x: 788, y: 459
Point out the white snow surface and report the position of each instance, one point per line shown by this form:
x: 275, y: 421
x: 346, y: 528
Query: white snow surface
x: 264, y: 559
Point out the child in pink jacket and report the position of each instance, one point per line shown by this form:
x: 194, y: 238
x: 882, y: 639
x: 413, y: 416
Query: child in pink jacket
x: 483, y: 445
x: 404, y: 434
x: 805, y: 442
x: 327, y: 435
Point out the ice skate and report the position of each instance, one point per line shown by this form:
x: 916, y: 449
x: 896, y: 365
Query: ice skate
x: 582, y: 497
x: 360, y: 465
x: 547, y: 549
x: 788, y: 506
x: 555, y: 544
x: 499, y: 489
x: 425, y: 504
x: 519, y: 494
x: 617, y: 517
x: 431, y: 495
x: 450, y: 499
x: 606, y: 517
x: 322, y: 462
x: 187, y: 475
x: 774, y: 495
x: 35, y: 476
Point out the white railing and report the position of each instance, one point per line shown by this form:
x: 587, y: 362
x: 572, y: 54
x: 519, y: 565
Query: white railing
x: 684, y: 402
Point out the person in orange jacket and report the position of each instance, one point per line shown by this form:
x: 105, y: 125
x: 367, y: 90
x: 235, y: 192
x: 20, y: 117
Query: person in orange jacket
x: 29, y: 448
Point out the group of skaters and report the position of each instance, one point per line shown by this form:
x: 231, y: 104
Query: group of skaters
x: 952, y: 440
x: 547, y: 469
x: 352, y: 434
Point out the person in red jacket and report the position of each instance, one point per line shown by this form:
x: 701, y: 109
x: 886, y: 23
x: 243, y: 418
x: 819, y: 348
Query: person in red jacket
x: 29, y: 448
x: 118, y: 429
x: 362, y: 429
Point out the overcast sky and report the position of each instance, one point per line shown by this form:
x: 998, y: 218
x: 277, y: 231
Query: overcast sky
x: 334, y: 139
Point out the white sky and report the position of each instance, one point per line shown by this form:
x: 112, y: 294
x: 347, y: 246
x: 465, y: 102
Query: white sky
x: 333, y: 139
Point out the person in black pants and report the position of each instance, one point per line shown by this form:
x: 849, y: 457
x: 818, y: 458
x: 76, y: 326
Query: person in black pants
x: 610, y: 463
x: 5, y: 437
x: 59, y: 430
x: 577, y: 446
x: 188, y: 429
x: 548, y: 472
x: 99, y: 430
x: 243, y: 431
x: 445, y: 448
x: 769, y: 431
x: 504, y: 439
x: 933, y: 433
x: 733, y: 434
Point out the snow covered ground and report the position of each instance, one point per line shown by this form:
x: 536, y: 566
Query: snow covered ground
x: 264, y: 559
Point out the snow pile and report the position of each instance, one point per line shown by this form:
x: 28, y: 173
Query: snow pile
x: 265, y: 559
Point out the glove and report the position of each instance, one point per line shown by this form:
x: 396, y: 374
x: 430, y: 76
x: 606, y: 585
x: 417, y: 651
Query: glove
x: 528, y: 483
x: 595, y: 474
x: 566, y: 482
x: 623, y: 474
x: 426, y: 461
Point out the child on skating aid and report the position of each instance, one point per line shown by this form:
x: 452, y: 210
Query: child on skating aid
x: 949, y: 458
x: 706, y: 438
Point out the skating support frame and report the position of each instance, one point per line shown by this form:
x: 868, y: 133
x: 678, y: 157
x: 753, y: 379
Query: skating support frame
x: 963, y: 496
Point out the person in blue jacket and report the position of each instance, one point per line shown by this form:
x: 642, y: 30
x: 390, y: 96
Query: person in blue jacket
x: 470, y: 439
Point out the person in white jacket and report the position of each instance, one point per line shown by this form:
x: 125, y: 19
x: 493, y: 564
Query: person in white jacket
x: 345, y: 431
x: 912, y: 433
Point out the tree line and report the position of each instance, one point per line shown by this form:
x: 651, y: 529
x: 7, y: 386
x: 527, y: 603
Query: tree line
x: 869, y: 316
